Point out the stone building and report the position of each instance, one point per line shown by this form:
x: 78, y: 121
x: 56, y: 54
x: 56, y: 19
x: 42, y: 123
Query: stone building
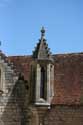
x: 42, y: 89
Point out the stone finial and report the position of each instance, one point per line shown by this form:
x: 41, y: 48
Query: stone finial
x: 42, y: 32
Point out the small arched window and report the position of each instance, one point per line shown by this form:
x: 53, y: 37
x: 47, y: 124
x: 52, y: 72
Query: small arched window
x: 42, y: 83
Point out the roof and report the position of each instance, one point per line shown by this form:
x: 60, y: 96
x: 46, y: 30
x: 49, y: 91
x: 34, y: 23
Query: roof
x: 68, y: 79
x: 68, y: 83
x: 21, y: 65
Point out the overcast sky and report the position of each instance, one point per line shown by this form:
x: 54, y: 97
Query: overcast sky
x: 21, y: 21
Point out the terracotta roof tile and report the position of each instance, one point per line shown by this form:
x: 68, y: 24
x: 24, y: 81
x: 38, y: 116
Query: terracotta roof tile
x: 22, y: 64
x: 68, y: 79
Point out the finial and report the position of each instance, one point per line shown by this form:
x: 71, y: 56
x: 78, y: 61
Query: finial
x: 42, y: 32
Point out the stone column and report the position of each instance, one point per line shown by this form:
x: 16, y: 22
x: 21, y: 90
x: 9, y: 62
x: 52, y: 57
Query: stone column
x: 52, y: 81
x: 3, y: 87
x: 38, y: 78
x: 48, y: 82
x: 2, y: 78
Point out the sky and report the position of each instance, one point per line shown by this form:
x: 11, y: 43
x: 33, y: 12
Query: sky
x: 21, y: 22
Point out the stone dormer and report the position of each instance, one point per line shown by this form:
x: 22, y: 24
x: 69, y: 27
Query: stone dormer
x: 42, y: 73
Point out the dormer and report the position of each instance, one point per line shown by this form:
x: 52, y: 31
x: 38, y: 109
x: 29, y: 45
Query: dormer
x: 42, y: 82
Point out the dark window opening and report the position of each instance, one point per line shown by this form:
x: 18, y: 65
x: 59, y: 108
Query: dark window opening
x: 42, y: 84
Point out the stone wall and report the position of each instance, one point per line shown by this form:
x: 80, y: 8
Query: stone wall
x: 64, y: 115
x: 16, y: 111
